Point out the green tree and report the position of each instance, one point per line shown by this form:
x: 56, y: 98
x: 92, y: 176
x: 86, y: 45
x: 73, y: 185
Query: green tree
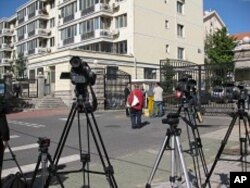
x: 167, y: 82
x: 20, y: 65
x: 219, y: 56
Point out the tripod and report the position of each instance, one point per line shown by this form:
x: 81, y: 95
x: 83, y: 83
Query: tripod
x: 82, y: 105
x: 13, y: 157
x: 195, y: 144
x: 242, y: 116
x: 173, y: 133
x: 44, y: 157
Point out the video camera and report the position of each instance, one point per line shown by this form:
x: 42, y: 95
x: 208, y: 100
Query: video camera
x: 185, y: 86
x: 80, y: 75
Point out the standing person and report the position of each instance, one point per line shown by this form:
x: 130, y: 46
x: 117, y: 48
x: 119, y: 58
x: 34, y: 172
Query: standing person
x: 4, y: 136
x: 127, y: 91
x: 136, y: 102
x: 158, y: 101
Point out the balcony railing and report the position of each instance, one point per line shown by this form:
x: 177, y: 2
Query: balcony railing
x: 68, y: 41
x: 6, y: 31
x: 88, y: 10
x: 43, y: 32
x: 68, y: 18
x: 88, y: 35
x: 43, y: 12
x: 5, y: 46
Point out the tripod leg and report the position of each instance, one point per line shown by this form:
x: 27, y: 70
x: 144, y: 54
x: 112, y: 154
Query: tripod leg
x: 182, y: 161
x: 223, y: 144
x: 63, y: 138
x: 52, y: 170
x: 35, y: 172
x: 17, y: 164
x: 173, y: 162
x: 157, y: 161
x: 108, y: 169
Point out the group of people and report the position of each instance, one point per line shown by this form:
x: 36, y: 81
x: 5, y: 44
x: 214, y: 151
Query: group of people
x: 135, y: 102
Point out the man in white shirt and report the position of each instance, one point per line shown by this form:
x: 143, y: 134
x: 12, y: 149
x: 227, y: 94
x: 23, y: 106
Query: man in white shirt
x: 158, y: 101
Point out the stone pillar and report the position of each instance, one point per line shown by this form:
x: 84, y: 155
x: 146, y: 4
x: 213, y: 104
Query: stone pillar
x: 8, y: 85
x: 40, y: 82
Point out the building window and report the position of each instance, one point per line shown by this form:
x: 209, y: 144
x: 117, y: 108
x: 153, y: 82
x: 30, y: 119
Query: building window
x: 31, y: 45
x: 180, y: 53
x: 68, y: 12
x: 52, y: 22
x: 120, y: 47
x: 149, y: 73
x: 166, y: 24
x: 167, y: 48
x: 180, y: 30
x: 180, y: 7
x: 121, y: 21
x: 52, y: 4
x: 67, y: 34
x: 21, y: 49
x: 32, y: 74
x: 52, y: 41
x: 32, y: 10
x: 31, y: 28
x: 20, y: 33
x: 20, y: 16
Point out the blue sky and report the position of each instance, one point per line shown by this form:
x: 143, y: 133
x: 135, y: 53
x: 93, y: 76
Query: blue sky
x: 234, y: 13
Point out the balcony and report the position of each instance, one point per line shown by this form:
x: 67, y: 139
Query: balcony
x: 43, y: 50
x: 43, y: 32
x: 20, y: 21
x: 32, y: 14
x: 31, y: 51
x: 88, y: 35
x: 5, y: 60
x: 6, y: 31
x: 5, y: 47
x: 68, y: 41
x: 20, y: 37
x: 88, y: 10
x: 68, y: 18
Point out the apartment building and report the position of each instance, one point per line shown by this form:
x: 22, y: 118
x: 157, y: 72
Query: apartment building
x: 212, y: 22
x: 130, y: 35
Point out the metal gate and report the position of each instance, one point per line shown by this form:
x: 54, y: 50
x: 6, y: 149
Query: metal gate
x: 28, y: 87
x: 209, y: 77
x: 114, y: 85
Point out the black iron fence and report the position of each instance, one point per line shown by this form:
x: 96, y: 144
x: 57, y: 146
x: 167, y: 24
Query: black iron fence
x: 27, y: 88
x: 215, y: 94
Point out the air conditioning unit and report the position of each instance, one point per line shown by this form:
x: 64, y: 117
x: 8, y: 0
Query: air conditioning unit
x: 115, y: 5
x: 49, y: 32
x: 115, y: 32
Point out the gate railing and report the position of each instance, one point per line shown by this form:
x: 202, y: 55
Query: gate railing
x: 208, y: 78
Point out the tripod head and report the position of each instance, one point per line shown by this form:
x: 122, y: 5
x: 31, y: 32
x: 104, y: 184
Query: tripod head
x: 172, y: 120
x: 44, y: 144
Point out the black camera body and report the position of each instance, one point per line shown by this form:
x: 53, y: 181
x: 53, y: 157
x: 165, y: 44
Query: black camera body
x: 43, y: 142
x: 186, y: 85
x: 172, y: 119
x: 80, y: 74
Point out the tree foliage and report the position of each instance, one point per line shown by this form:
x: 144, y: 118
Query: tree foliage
x: 219, y: 55
x: 168, y: 73
x: 20, y: 65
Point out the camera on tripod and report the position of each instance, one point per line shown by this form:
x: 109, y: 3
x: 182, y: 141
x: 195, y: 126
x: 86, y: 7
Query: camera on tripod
x: 43, y: 142
x: 185, y: 86
x: 80, y: 74
x: 172, y: 119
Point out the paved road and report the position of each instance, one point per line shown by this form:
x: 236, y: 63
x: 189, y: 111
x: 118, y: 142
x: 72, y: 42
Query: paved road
x: 132, y: 152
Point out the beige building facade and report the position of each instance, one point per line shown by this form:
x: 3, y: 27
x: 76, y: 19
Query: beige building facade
x: 133, y: 35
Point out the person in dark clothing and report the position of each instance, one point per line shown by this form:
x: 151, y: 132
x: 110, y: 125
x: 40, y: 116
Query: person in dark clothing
x: 136, y: 102
x: 4, y: 135
x: 127, y: 91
